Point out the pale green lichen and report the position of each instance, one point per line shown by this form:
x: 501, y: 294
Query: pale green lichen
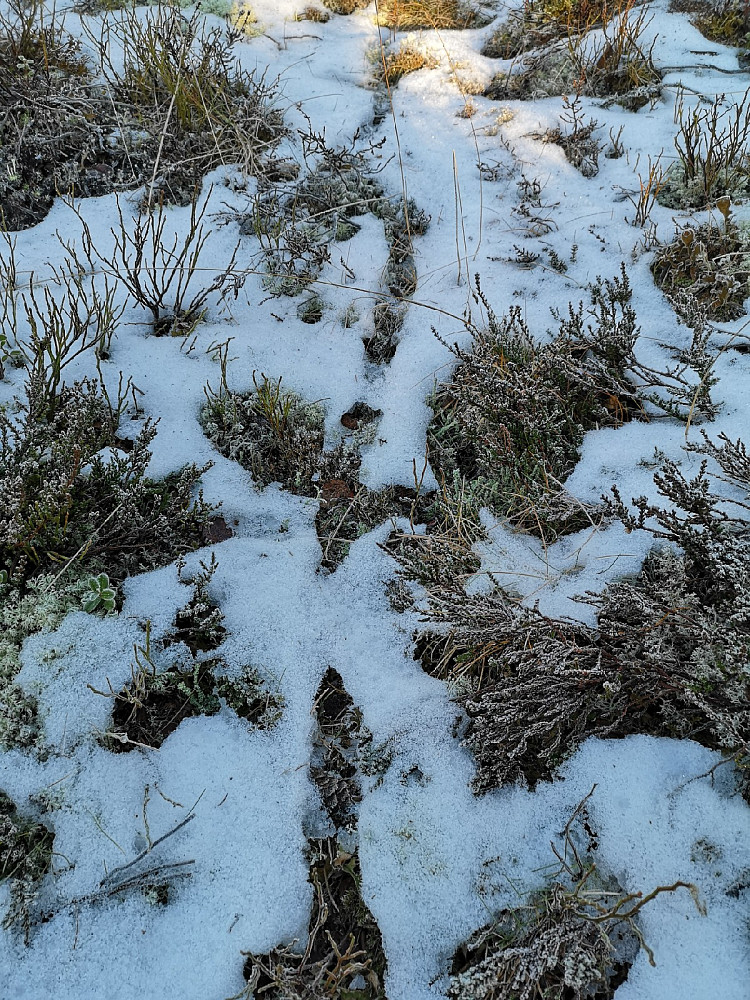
x: 41, y: 608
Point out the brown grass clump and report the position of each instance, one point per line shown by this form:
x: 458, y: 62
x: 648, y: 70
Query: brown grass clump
x: 408, y: 15
x: 346, y: 6
x: 406, y: 59
x: 713, y: 161
x: 315, y: 14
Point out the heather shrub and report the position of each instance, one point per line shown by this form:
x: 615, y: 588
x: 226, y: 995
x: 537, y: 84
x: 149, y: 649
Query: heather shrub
x: 508, y: 426
x: 668, y: 655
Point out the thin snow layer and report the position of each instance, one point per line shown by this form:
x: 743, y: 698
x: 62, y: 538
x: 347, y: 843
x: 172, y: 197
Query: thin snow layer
x: 436, y: 861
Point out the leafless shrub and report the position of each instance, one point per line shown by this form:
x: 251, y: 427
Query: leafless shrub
x: 49, y: 319
x: 576, y: 137
x: 160, y: 274
x: 712, y: 147
x: 650, y: 186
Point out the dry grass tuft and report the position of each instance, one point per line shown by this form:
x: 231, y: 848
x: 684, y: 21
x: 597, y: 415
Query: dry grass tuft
x: 406, y: 59
x: 409, y: 15
x: 314, y: 14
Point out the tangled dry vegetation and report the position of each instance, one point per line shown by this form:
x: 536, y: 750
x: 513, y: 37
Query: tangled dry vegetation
x: 301, y: 212
x: 279, y: 437
x: 25, y: 858
x: 178, y: 105
x: 712, y: 160
x: 183, y: 676
x: 705, y: 271
x: 66, y: 502
x: 72, y: 511
x: 508, y: 426
x: 78, y: 513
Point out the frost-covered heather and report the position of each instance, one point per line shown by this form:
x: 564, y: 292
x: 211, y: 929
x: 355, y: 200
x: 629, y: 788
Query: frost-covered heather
x: 319, y: 210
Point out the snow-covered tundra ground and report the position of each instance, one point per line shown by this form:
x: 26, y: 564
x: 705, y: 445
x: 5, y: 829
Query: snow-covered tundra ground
x: 436, y: 860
